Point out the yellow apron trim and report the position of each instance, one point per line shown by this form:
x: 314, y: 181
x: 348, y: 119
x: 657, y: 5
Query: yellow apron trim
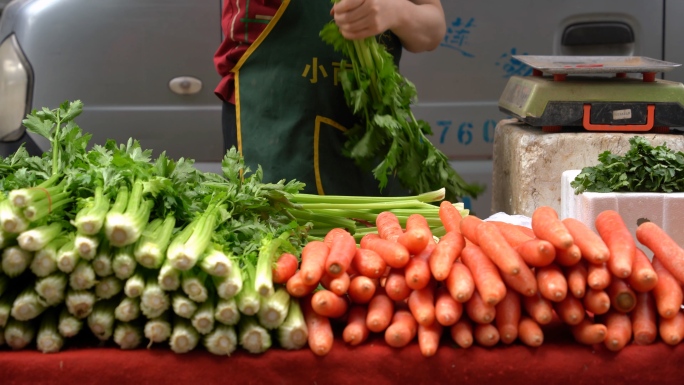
x: 317, y: 135
x: 236, y: 69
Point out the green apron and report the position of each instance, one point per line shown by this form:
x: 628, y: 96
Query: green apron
x: 290, y: 106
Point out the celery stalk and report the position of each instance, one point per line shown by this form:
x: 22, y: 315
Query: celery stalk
x: 108, y: 287
x: 203, y: 319
x: 80, y: 303
x: 48, y: 339
x: 252, y: 336
x: 128, y: 309
x: 28, y: 305
x: 83, y: 276
x: 52, y: 288
x: 128, y: 335
x: 274, y: 309
x: 158, y: 329
x: 221, y: 341
x: 15, y: 260
x: 293, y: 333
x: 227, y: 312
x: 19, y: 334
x: 38, y: 237
x: 183, y: 306
x: 69, y: 326
x: 184, y: 337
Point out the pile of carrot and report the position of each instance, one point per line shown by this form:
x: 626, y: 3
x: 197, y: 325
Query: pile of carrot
x: 487, y: 282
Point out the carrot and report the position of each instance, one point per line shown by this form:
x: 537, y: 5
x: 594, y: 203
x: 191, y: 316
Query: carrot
x: 417, y: 235
x: 450, y: 216
x: 380, y: 310
x: 388, y: 226
x: 338, y: 285
x: 552, y: 283
x: 508, y: 317
x: 312, y: 267
x: 512, y: 233
x: 671, y: 330
x: 619, y: 240
x: 667, y: 292
x: 332, y: 234
x: 536, y: 252
x: 486, y: 335
x: 460, y: 282
x: 421, y: 303
x: 428, y: 338
x: 296, y: 286
x: 445, y: 253
x: 468, y: 228
x: 644, y: 319
x: 285, y: 268
x: 417, y: 270
x: 570, y: 310
x: 494, y: 245
x: 402, y: 330
x: 568, y: 257
x: 596, y: 301
x: 643, y: 277
x: 576, y: 275
x: 356, y: 331
x: 524, y: 283
x: 395, y: 285
x: 589, y: 333
x: 622, y: 297
x: 486, y: 276
x: 590, y: 244
x: 320, y: 330
x: 447, y: 310
x: 394, y: 254
x: 328, y: 304
x: 540, y: 309
x: 547, y: 226
x: 369, y: 263
x: 529, y: 332
x: 669, y: 253
x: 618, y: 330
x: 362, y: 289
x: 480, y: 311
x: 462, y: 333
x: 342, y: 251
x: 598, y: 276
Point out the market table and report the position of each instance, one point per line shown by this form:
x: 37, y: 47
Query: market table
x: 558, y: 361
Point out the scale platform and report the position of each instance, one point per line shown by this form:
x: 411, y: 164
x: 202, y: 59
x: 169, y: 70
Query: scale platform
x: 595, y: 93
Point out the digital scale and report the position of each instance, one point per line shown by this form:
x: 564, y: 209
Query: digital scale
x: 595, y: 93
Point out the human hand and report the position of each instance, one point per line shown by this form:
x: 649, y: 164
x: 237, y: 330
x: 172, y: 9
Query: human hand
x: 359, y: 19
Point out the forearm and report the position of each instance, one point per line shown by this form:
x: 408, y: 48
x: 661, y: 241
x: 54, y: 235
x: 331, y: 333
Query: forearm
x: 420, y: 24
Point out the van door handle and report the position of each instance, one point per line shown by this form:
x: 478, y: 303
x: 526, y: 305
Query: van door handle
x: 597, y: 33
x: 185, y: 85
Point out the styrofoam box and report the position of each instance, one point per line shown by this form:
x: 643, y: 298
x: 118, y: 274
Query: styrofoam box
x: 664, y: 209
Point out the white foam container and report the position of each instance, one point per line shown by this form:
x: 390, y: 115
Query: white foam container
x: 664, y: 209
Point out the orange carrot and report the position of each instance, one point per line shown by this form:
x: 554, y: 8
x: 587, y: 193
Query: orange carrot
x: 622, y: 297
x: 338, y: 285
x: 402, y: 330
x: 478, y: 310
x: 285, y: 268
x: 596, y: 301
x: 589, y: 333
x: 576, y: 275
x: 644, y: 319
x: 356, y: 331
x: 417, y: 271
x: 669, y: 253
x: 312, y: 267
x: 529, y: 332
x: 445, y: 253
x: 320, y: 330
x: 619, y: 240
x: 598, y: 276
x: 332, y: 234
x: 460, y: 282
x: 486, y: 276
x: 369, y: 263
x: 508, y: 317
x: 468, y: 227
x: 342, y: 251
x: 643, y: 277
x: 362, y: 289
x: 328, y: 304
x: 462, y: 333
x: 494, y: 245
x: 450, y: 216
x: 524, y: 283
x: 568, y: 257
x: 512, y: 233
x: 540, y: 309
x: 396, y: 286
x: 486, y: 335
x: 547, y: 226
x: 394, y: 254
x: 417, y: 235
x: 552, y: 283
x: 447, y: 310
x: 671, y: 330
x: 380, y: 310
x: 296, y: 286
x: 667, y: 292
x: 388, y: 226
x: 428, y: 338
x: 570, y: 310
x: 590, y: 244
x: 618, y: 330
x: 536, y: 252
x: 421, y: 303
